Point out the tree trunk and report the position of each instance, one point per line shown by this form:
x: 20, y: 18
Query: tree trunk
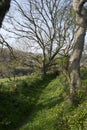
x: 74, y: 65
x: 4, y: 7
x: 74, y: 62
x: 44, y: 63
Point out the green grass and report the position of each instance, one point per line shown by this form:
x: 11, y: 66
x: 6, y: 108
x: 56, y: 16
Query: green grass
x: 45, y: 115
x: 18, y: 99
x: 37, y: 103
x: 12, y: 78
x: 54, y: 111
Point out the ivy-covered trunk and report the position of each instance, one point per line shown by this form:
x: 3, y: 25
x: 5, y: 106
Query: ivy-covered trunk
x: 74, y: 62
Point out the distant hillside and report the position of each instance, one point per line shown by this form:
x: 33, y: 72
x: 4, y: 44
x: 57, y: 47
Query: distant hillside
x: 15, y: 63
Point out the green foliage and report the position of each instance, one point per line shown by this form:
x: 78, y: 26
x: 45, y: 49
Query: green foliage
x: 63, y: 63
x: 84, y: 74
x: 54, y: 110
x: 18, y: 99
x: 37, y: 103
x: 73, y: 12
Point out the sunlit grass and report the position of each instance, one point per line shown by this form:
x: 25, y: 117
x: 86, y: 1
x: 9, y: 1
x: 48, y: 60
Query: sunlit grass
x: 46, y: 110
x: 12, y: 78
x: 18, y: 99
x: 54, y: 111
x: 41, y: 103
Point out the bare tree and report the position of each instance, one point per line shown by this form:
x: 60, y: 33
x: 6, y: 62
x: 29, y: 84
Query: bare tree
x: 74, y: 65
x: 4, y: 43
x: 48, y: 26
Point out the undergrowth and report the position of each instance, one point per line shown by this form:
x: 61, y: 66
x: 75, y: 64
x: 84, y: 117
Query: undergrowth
x: 18, y: 98
x: 54, y: 111
x: 37, y: 103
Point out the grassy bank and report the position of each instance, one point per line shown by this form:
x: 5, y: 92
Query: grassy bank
x: 17, y: 100
x: 3, y: 80
x: 37, y: 103
x: 54, y: 111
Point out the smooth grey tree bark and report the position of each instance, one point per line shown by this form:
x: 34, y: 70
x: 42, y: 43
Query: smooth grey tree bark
x: 74, y: 63
x: 4, y: 7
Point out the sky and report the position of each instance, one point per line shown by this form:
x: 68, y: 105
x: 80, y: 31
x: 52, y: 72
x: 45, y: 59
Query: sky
x: 9, y: 37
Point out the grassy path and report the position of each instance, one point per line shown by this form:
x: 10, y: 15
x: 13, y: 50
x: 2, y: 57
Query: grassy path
x: 54, y: 111
x: 44, y: 116
x: 18, y: 100
x: 37, y: 103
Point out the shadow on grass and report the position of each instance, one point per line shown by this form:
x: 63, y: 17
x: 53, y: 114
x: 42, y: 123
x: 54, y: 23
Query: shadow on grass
x: 18, y: 105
